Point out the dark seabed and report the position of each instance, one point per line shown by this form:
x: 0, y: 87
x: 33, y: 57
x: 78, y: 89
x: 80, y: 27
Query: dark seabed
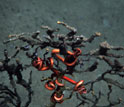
x: 87, y: 16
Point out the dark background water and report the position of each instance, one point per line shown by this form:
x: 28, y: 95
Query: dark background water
x: 88, y: 16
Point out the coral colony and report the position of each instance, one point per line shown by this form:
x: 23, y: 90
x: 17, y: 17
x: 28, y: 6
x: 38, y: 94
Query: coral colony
x: 60, y: 49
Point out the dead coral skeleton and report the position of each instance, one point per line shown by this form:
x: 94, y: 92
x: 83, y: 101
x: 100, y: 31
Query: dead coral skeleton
x: 63, y: 42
